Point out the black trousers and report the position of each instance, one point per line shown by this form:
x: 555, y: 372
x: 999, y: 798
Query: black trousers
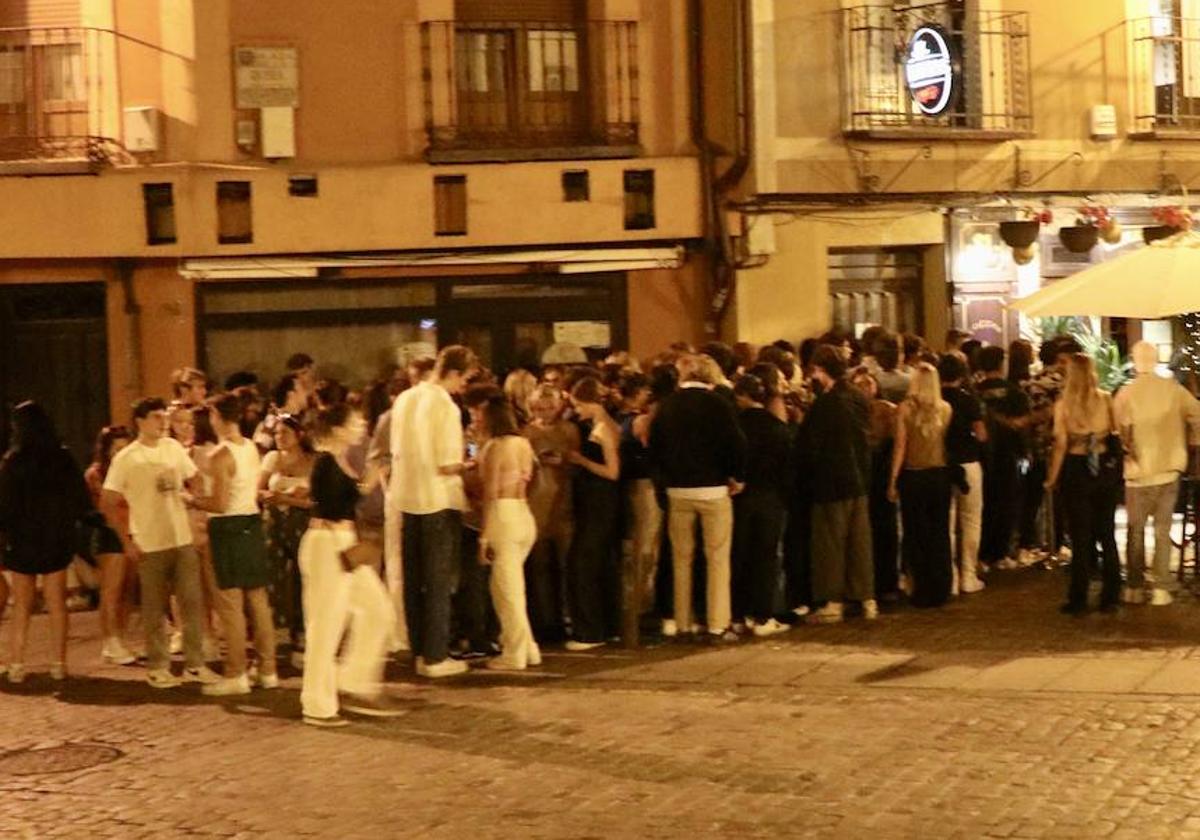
x: 432, y: 548
x: 593, y: 568
x: 885, y: 526
x: 474, y: 618
x: 797, y: 553
x: 1001, y: 506
x: 1033, y: 496
x: 1091, y: 505
x: 925, y: 512
x: 758, y: 522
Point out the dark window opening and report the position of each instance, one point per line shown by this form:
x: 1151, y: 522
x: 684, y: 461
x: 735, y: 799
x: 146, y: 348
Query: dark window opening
x: 158, y: 203
x: 450, y: 205
x: 302, y: 186
x: 576, y: 185
x: 639, y: 199
x: 234, y: 220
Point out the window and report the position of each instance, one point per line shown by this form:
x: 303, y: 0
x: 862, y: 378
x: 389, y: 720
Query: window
x: 553, y: 60
x: 158, y: 202
x: 302, y: 186
x: 482, y: 61
x: 639, y: 199
x: 62, y: 75
x: 576, y: 185
x: 12, y: 75
x: 234, y: 221
x: 450, y: 205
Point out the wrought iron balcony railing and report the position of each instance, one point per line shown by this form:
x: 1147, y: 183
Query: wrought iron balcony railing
x: 530, y: 88
x: 988, y: 53
x: 54, y: 95
x: 1165, y: 74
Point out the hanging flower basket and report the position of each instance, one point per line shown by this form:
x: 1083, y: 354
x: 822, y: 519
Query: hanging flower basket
x: 1079, y: 239
x: 1156, y: 232
x: 1020, y: 234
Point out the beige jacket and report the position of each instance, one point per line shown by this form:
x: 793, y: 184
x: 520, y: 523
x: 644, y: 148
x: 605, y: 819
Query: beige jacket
x: 1155, y: 416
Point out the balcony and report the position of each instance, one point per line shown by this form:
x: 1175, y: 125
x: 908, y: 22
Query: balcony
x: 530, y: 90
x: 53, y: 113
x: 986, y: 54
x: 1165, y: 74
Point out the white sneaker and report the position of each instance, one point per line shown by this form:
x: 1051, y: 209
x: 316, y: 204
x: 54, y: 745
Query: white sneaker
x: 16, y: 673
x: 268, y: 681
x: 831, y: 613
x: 801, y: 611
x: 203, y: 675
x: 1028, y: 557
x: 58, y: 671
x: 1161, y: 598
x: 162, y: 678
x: 669, y: 628
x: 227, y: 687
x: 770, y: 627
x: 115, y: 652
x: 870, y: 609
x: 1132, y: 595
x: 971, y: 585
x: 446, y: 668
x: 1007, y: 564
x: 578, y: 647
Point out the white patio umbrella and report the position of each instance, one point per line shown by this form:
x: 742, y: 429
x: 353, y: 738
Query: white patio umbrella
x: 1158, y: 281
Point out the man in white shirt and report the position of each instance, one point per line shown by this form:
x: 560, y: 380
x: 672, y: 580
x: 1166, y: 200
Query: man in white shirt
x: 151, y: 475
x: 427, y: 489
x: 1154, y: 415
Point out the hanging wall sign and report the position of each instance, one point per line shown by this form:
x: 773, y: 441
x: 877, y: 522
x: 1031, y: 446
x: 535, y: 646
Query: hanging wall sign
x: 929, y: 70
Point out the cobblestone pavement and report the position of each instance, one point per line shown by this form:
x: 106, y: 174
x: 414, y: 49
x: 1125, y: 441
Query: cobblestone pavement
x: 995, y: 717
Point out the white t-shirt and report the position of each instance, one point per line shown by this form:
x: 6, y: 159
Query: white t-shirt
x: 427, y: 433
x: 151, y: 478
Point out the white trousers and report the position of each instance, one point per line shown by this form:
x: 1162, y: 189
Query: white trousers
x: 334, y: 601
x: 966, y: 523
x: 511, y: 533
x: 393, y: 571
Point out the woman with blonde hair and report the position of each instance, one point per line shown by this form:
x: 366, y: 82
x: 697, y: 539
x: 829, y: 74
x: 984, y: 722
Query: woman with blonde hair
x: 921, y: 482
x: 518, y: 388
x: 1087, y: 457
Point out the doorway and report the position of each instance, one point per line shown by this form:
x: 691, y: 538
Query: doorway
x: 54, y: 349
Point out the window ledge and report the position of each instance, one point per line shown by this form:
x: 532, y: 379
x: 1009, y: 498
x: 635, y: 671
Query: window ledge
x: 533, y: 154
x: 978, y: 135
x: 1166, y: 134
x: 58, y: 166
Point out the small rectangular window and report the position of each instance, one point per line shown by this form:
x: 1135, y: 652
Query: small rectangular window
x: 234, y: 220
x: 158, y: 202
x: 302, y: 186
x: 639, y: 199
x: 576, y: 185
x: 62, y: 73
x: 450, y: 205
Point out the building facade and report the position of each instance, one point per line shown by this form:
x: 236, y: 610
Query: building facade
x: 890, y: 138
x: 222, y: 183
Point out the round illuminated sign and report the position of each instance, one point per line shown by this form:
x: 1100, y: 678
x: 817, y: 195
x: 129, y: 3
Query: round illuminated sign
x: 929, y: 70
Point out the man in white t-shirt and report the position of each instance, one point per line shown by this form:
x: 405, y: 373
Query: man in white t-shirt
x: 151, y: 476
x: 427, y: 489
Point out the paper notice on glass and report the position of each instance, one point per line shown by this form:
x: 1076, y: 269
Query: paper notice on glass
x: 410, y: 350
x: 583, y: 333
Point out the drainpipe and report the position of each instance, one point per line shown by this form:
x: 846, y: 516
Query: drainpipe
x: 133, y: 316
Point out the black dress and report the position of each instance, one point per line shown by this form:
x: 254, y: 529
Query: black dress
x: 592, y: 560
x: 42, y: 498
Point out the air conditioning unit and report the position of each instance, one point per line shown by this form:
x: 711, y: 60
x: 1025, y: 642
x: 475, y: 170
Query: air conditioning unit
x: 141, y: 129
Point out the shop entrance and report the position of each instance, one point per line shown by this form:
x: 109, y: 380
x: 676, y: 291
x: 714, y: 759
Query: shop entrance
x: 54, y: 349
x: 876, y: 286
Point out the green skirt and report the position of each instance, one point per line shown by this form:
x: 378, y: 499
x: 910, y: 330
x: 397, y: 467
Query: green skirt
x: 239, y: 551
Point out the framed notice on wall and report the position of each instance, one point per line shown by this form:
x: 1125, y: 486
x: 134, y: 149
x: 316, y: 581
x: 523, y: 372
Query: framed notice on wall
x: 267, y: 77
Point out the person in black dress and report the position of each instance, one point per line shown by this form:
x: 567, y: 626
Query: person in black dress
x: 43, y: 497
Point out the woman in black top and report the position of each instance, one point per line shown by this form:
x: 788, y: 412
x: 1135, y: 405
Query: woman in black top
x: 760, y: 510
x: 336, y: 592
x: 42, y: 498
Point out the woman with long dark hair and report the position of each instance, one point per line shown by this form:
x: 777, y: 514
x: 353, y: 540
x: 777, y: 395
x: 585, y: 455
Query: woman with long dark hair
x: 107, y: 551
x: 1086, y: 460
x: 506, y: 464
x: 42, y: 499
x: 592, y: 561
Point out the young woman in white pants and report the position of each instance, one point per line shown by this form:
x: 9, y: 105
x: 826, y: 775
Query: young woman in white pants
x: 506, y: 465
x: 335, y: 596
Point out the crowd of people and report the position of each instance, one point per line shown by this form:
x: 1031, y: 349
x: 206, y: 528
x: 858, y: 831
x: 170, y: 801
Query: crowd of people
x: 712, y: 494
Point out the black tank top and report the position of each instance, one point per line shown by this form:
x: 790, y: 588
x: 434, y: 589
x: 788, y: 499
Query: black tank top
x: 334, y: 494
